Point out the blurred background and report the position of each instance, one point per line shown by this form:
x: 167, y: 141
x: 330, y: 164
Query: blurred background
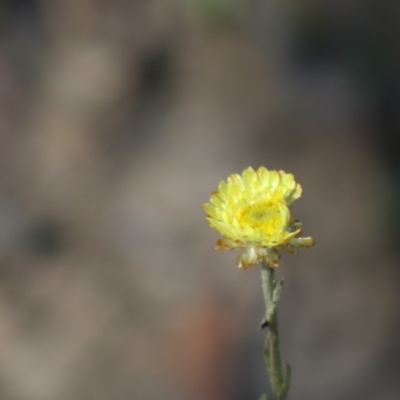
x: 117, y: 120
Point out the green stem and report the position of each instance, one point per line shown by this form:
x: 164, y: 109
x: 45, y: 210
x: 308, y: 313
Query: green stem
x: 272, y: 291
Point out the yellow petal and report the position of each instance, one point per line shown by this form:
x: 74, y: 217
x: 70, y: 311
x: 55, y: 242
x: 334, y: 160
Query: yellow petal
x: 211, y: 210
x: 249, y: 176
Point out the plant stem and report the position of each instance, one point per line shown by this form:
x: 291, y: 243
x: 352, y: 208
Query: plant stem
x: 272, y: 291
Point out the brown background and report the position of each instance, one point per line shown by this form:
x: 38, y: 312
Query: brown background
x: 117, y: 120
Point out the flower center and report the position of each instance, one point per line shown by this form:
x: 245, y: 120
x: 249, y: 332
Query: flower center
x: 266, y: 216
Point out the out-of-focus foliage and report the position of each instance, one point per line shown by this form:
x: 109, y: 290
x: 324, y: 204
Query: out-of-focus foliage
x: 216, y: 12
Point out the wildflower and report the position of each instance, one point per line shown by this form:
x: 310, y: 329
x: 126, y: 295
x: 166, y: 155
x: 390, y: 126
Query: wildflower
x: 252, y: 212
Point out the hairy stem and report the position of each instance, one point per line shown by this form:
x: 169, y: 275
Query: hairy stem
x: 272, y: 290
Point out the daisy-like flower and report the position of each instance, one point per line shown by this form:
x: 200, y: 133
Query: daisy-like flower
x: 252, y: 213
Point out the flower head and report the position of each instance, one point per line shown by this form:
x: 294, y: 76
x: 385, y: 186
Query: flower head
x: 252, y: 212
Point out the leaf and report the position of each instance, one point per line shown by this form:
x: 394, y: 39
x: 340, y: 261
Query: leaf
x: 286, y: 382
x: 267, y: 356
x: 277, y: 293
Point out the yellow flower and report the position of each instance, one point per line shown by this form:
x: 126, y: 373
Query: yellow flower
x: 252, y: 212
